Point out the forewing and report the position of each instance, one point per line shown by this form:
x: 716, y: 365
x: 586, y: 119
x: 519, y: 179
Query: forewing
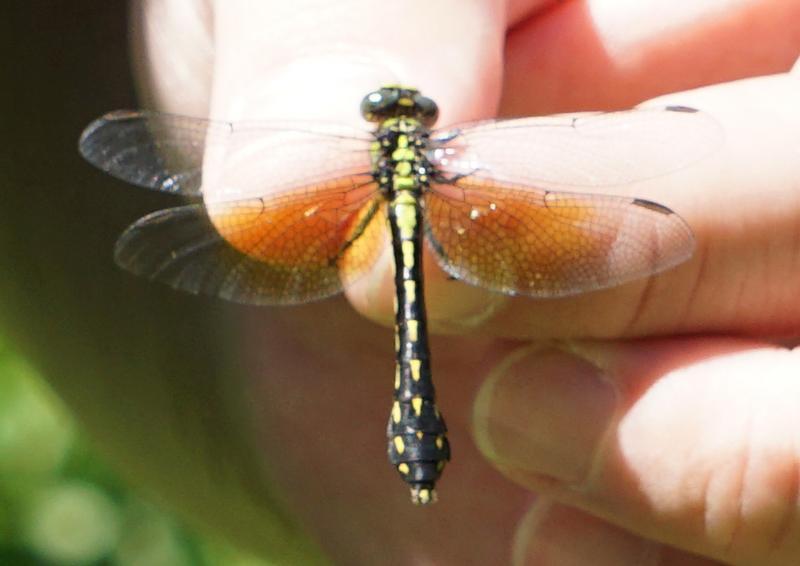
x: 221, y: 160
x: 519, y: 240
x: 577, y: 151
x: 286, y: 249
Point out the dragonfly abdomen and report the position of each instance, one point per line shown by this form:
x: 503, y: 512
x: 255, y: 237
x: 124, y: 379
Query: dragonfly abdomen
x: 418, y: 446
x: 417, y: 441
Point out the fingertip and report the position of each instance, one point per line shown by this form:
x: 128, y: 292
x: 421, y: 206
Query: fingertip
x: 701, y: 453
x: 172, y: 54
x: 545, y: 413
x: 711, y: 450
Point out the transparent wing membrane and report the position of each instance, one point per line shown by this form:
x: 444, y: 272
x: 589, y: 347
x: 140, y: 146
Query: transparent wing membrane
x: 577, y: 151
x: 190, y: 156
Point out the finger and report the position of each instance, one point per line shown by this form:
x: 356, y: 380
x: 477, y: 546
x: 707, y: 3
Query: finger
x: 555, y: 534
x: 603, y: 54
x: 690, y: 441
x: 173, y: 54
x: 743, y: 207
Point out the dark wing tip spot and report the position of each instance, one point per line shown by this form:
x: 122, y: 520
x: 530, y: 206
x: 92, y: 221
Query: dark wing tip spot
x: 654, y: 206
x: 686, y: 109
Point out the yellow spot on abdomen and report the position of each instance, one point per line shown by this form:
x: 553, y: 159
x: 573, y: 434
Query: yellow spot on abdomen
x: 406, y: 215
x: 408, y: 253
x: 415, y: 367
x: 403, y: 468
x: 396, y: 412
x: 404, y: 197
x: 416, y: 403
x: 411, y: 291
x: 424, y: 496
x: 399, y: 445
x: 413, y: 330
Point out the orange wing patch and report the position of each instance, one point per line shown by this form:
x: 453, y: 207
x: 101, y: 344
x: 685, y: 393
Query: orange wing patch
x: 304, y: 235
x: 521, y: 240
x: 286, y: 249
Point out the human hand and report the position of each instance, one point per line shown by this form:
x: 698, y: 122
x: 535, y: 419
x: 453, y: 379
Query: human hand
x: 539, y: 418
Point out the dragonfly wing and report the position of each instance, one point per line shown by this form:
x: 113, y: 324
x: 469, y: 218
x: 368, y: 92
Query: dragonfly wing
x: 193, y: 156
x: 287, y: 249
x: 577, y: 151
x: 520, y: 240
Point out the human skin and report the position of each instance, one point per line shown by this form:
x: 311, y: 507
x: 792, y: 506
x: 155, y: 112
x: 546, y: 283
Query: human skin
x: 685, y: 447
x: 685, y: 444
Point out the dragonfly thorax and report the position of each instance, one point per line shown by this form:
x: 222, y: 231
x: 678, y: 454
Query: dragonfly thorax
x: 399, y: 161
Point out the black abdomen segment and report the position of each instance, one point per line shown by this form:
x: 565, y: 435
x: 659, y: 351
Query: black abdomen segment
x: 418, y: 446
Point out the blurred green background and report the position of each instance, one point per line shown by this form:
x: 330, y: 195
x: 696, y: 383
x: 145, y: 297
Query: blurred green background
x: 146, y: 371
x: 59, y: 503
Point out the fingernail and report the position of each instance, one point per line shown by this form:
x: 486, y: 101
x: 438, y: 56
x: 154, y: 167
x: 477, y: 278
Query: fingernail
x: 544, y: 412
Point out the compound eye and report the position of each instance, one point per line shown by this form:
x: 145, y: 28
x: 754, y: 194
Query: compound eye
x: 428, y: 111
x: 375, y: 105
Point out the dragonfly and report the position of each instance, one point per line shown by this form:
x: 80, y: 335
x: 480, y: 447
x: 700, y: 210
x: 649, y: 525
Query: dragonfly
x: 285, y: 213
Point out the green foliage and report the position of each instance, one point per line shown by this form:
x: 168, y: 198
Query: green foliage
x: 60, y: 505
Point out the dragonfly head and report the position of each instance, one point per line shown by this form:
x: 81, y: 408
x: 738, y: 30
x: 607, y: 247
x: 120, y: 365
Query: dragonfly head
x: 393, y: 101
